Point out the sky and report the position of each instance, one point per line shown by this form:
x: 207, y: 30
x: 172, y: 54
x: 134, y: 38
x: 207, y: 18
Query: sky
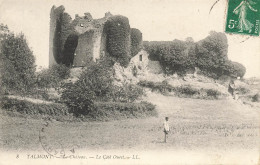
x: 158, y: 20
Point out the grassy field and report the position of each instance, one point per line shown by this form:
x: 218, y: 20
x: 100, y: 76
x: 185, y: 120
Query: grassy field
x: 195, y: 124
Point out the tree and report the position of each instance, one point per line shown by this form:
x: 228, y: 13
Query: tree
x: 18, y: 72
x: 209, y: 55
x: 189, y: 40
x: 233, y: 69
x: 4, y: 31
x: 99, y: 77
x: 94, y: 84
x: 78, y: 97
x: 212, y: 54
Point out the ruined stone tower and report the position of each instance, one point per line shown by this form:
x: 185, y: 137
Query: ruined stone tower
x: 75, y: 42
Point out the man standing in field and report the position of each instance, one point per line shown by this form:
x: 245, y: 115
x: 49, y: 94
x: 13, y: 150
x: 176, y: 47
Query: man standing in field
x: 166, y: 128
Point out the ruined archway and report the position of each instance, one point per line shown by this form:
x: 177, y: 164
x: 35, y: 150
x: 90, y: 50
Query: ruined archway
x: 69, y: 49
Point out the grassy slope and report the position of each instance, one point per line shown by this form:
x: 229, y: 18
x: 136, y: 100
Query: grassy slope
x: 195, y: 124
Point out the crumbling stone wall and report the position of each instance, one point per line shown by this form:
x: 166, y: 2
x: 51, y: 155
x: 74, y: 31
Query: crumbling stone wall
x: 90, y: 43
x: 84, y: 51
x: 140, y: 62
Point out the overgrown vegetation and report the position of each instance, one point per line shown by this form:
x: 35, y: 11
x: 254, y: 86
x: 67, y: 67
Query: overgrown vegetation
x: 174, y: 56
x: 18, y: 67
x: 119, y: 110
x: 95, y: 96
x: 242, y: 90
x: 53, y: 76
x: 209, y: 55
x: 118, y: 42
x: 181, y: 91
x: 65, y: 37
x: 256, y: 98
x: 27, y: 107
x: 136, y: 41
x: 127, y: 93
x: 79, y: 98
x: 55, y: 19
x: 93, y: 84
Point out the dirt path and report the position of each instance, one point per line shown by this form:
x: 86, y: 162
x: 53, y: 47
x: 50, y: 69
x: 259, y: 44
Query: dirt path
x: 215, y: 109
x: 37, y: 101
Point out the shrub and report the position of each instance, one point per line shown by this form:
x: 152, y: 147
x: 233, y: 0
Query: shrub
x: 181, y: 91
x: 186, y: 90
x: 213, y: 93
x: 256, y: 97
x: 53, y: 76
x: 126, y: 93
x: 153, y: 47
x: 99, y: 77
x: 18, y: 67
x: 118, y: 110
x: 136, y: 41
x: 78, y: 97
x: 242, y: 90
x: 239, y: 70
x: 95, y: 83
x: 162, y: 87
x: 27, y: 107
x: 174, y: 56
x: 117, y: 29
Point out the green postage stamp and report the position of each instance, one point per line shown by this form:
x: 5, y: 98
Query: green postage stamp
x: 243, y: 17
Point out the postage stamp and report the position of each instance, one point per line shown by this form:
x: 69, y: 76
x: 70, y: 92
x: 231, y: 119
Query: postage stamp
x: 243, y: 17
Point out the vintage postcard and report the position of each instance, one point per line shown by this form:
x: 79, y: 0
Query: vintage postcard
x: 129, y: 82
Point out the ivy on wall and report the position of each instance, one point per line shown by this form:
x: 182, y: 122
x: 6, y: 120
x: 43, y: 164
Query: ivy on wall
x: 117, y: 29
x: 136, y: 41
x: 62, y: 36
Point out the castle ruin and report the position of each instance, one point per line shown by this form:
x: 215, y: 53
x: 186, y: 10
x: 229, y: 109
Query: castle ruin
x: 79, y: 41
